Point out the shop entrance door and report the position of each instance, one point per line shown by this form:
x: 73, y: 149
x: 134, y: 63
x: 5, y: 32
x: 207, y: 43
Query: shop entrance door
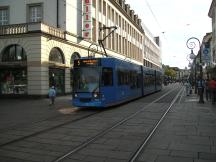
x: 57, y: 79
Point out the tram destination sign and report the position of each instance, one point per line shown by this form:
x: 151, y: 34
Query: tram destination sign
x: 86, y: 62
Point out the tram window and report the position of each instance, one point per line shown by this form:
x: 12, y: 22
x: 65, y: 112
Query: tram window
x: 107, y: 77
x: 120, y: 77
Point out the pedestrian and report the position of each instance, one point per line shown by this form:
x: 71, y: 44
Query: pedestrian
x: 200, y: 86
x: 52, y: 95
x: 207, y: 89
x: 212, y: 85
x: 188, y: 87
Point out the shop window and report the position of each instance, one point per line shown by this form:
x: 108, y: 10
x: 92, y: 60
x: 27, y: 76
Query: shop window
x: 13, y: 81
x: 14, y: 53
x: 56, y: 56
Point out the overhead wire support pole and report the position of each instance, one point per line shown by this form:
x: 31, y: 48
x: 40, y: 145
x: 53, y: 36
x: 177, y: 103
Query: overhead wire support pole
x: 100, y: 41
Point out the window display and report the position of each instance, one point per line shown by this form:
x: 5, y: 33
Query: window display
x: 13, y: 81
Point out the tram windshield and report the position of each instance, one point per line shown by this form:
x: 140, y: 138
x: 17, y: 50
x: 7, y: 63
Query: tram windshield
x: 86, y: 79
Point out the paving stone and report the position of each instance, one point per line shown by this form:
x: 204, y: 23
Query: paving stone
x: 94, y: 159
x: 201, y: 160
x: 197, y: 140
x: 150, y: 157
x: 157, y: 151
x: 180, y: 153
x: 5, y: 159
x: 189, y: 147
x: 107, y: 153
x: 207, y: 156
x: 173, y: 159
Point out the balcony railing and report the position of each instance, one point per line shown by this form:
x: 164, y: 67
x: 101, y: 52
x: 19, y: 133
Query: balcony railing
x: 13, y: 29
x: 31, y: 27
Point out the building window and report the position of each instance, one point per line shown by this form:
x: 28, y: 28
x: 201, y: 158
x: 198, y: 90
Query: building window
x: 74, y: 56
x: 104, y: 8
x: 99, y: 6
x: 113, y: 15
x: 94, y: 3
x: 56, y: 56
x: 94, y: 30
x: 4, y: 16
x: 104, y: 35
x: 14, y: 53
x: 109, y: 12
x: 35, y: 13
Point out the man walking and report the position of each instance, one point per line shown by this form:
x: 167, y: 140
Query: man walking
x: 52, y: 95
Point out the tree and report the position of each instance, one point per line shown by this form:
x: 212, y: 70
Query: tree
x: 169, y: 72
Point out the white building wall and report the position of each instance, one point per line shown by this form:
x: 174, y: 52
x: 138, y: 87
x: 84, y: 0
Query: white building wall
x: 18, y: 10
x: 212, y: 14
x: 154, y: 56
x: 74, y: 15
x: 38, y: 46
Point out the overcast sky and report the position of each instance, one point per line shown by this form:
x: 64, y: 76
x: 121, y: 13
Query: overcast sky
x: 175, y: 21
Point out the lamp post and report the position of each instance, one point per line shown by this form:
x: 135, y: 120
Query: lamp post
x: 195, y: 75
x: 191, y: 44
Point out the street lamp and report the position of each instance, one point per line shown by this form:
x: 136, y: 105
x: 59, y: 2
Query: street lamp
x: 191, y: 44
x: 192, y: 64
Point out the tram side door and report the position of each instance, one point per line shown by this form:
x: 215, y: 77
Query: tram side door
x: 107, y: 82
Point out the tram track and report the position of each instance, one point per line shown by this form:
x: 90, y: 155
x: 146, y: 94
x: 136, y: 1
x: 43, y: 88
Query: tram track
x: 106, y: 131
x: 151, y: 133
x: 27, y: 126
x: 86, y: 141
x: 48, y: 129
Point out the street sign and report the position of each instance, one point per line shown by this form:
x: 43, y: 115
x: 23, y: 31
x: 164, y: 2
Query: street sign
x: 206, y: 55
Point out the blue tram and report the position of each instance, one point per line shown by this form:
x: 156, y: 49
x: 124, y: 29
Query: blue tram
x: 104, y: 82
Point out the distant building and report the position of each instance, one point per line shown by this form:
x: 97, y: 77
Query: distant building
x: 152, y: 50
x: 152, y: 53
x: 39, y: 39
x: 212, y: 15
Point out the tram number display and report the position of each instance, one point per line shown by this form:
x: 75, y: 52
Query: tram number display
x: 86, y: 62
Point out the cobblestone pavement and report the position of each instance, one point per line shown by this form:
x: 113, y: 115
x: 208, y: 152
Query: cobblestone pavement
x: 187, y: 134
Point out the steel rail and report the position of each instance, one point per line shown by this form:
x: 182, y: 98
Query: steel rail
x: 144, y: 143
x: 47, y: 129
x: 102, y: 133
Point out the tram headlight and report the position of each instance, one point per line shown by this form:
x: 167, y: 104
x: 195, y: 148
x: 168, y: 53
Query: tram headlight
x: 96, y: 95
x: 75, y: 95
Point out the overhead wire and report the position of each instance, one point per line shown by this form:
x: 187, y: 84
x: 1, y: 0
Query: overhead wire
x: 154, y: 16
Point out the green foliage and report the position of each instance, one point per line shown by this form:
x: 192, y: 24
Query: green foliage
x: 168, y: 71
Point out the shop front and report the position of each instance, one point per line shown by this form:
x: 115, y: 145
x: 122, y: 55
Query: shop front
x: 13, y: 71
x: 57, y: 70
x: 57, y: 79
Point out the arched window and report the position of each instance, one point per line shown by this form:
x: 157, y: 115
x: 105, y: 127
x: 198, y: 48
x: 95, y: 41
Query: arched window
x: 74, y: 56
x: 56, y: 55
x: 14, y: 53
